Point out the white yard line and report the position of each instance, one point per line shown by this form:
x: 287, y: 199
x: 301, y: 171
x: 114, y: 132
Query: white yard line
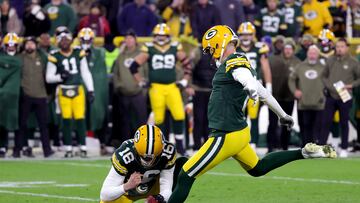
x: 48, y: 196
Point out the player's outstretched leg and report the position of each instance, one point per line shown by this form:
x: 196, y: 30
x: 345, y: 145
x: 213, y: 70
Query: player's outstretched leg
x: 278, y: 159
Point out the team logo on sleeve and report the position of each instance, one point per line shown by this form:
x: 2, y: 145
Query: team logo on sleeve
x: 210, y: 34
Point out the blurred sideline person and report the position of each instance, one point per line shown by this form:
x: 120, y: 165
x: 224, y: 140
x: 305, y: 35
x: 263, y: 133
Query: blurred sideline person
x: 144, y: 167
x: 97, y: 111
x: 281, y: 67
x: 305, y: 83
x: 234, y: 82
x: 33, y: 96
x: 68, y: 68
x: 257, y: 54
x: 161, y: 55
x: 132, y: 101
x: 345, y: 68
x: 10, y: 76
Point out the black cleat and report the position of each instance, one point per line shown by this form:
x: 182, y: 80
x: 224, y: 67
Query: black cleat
x: 28, y: 152
x: 83, y: 154
x: 69, y: 154
x: 16, y: 154
x: 49, y: 154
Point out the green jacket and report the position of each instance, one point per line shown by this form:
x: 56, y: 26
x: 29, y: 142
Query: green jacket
x: 62, y: 15
x: 10, y: 76
x: 307, y: 78
x: 98, y: 109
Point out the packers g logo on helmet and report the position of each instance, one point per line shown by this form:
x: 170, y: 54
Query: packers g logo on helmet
x: 216, y: 39
x: 148, y: 142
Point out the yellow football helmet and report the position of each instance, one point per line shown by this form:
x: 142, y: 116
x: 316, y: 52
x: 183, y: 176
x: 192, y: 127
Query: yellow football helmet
x: 246, y: 28
x: 161, y: 29
x: 86, y: 37
x: 161, y: 34
x: 11, y: 39
x: 149, y: 142
x: 326, y: 35
x: 10, y: 43
x: 216, y: 39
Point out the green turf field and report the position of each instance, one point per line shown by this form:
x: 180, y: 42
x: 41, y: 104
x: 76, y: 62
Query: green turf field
x: 80, y: 181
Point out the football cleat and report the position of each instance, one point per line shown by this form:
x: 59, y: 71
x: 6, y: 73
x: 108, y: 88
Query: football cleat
x: 312, y: 150
x: 83, y: 153
x: 69, y: 154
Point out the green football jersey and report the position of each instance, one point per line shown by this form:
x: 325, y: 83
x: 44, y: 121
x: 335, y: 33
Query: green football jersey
x: 69, y: 63
x: 126, y: 161
x: 162, y: 63
x: 254, y: 54
x: 228, y: 98
x: 293, y: 17
x: 270, y: 23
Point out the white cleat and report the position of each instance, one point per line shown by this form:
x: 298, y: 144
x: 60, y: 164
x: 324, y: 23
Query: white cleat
x: 343, y: 153
x: 312, y: 150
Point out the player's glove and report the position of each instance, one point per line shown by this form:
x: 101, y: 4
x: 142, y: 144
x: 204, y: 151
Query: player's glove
x: 182, y: 84
x: 64, y: 75
x: 155, y: 199
x: 90, y: 97
x: 287, y: 121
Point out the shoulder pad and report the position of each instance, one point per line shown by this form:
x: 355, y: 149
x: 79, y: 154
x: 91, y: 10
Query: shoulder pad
x: 51, y: 58
x: 122, y: 170
x: 263, y: 48
x: 77, y: 47
x: 298, y: 4
x: 239, y: 61
x: 54, y: 51
x: 169, y: 152
x: 82, y: 53
x: 178, y: 45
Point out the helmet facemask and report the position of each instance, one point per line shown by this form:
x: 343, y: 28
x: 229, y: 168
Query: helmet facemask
x: 246, y: 39
x: 11, y: 49
x: 326, y: 45
x: 161, y: 39
x: 86, y: 44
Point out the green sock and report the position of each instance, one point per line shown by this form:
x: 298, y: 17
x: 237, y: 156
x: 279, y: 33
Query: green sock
x: 182, y: 188
x: 81, y: 131
x: 274, y: 160
x: 66, y: 130
x: 254, y: 130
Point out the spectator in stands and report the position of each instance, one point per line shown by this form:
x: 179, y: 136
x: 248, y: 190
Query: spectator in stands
x: 61, y: 14
x: 305, y: 42
x: 81, y: 7
x: 9, y: 20
x: 136, y: 16
x: 130, y: 93
x: 281, y: 67
x: 96, y: 21
x: 270, y: 21
x: 305, y: 83
x: 316, y: 17
x: 232, y: 12
x: 278, y: 45
x: 10, y: 70
x: 113, y: 8
x: 203, y: 73
x: 339, y: 67
x: 33, y: 95
x: 36, y: 21
x: 177, y: 18
x: 353, y: 19
x: 204, y: 15
x: 337, y: 10
x: 251, y: 10
x: 293, y: 18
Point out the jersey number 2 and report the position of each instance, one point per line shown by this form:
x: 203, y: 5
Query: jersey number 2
x: 70, y: 65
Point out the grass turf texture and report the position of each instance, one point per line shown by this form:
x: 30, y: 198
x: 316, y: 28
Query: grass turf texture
x: 302, y: 181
